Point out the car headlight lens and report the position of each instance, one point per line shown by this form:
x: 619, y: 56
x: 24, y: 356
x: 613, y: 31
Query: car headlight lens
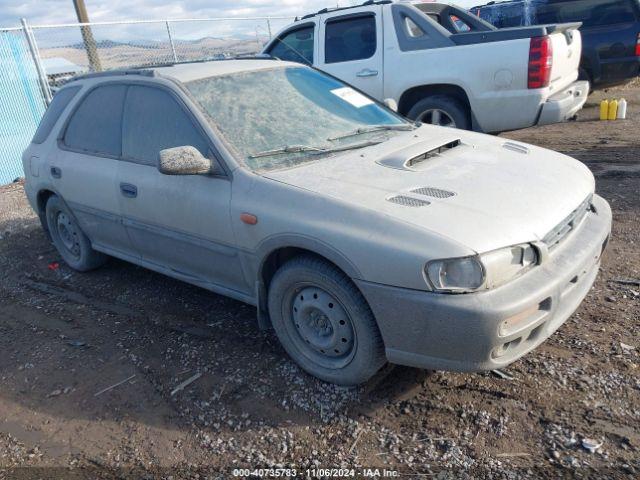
x: 456, y: 274
x: 507, y: 263
x: 489, y: 270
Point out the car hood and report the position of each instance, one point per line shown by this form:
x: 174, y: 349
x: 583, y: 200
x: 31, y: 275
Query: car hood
x: 503, y: 192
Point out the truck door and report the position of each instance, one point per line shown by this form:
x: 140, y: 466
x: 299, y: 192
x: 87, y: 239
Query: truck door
x: 351, y: 47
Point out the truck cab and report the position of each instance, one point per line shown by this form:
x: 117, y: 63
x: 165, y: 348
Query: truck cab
x: 441, y: 65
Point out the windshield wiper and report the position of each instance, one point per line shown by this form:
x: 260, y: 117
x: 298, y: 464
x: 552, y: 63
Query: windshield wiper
x: 372, y: 128
x: 313, y: 150
x: 287, y: 149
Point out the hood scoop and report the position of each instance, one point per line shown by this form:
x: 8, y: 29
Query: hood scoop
x: 411, y: 157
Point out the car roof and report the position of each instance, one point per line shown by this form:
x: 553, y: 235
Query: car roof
x: 189, y: 71
x: 186, y: 72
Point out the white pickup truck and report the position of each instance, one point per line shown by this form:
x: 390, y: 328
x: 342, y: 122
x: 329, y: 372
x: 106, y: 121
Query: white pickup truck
x: 438, y: 64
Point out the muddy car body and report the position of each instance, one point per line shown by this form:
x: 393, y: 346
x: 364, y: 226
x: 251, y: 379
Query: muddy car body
x: 360, y: 237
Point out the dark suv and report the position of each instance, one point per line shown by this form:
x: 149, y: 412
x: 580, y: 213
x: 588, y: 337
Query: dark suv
x: 610, y: 31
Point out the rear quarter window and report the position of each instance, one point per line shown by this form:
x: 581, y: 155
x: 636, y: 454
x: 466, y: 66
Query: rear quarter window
x: 96, y: 125
x: 60, y: 101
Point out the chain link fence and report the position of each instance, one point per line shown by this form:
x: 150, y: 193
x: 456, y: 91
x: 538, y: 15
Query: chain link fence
x: 108, y: 45
x: 36, y: 59
x: 22, y: 101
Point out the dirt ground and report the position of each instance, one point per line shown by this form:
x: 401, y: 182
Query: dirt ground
x: 66, y: 337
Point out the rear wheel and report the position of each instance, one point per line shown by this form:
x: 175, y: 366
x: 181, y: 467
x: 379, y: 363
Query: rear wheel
x: 72, y: 244
x: 441, y: 110
x: 324, y: 323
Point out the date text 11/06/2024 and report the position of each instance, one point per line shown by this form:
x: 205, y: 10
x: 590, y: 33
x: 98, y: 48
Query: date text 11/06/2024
x: 315, y: 473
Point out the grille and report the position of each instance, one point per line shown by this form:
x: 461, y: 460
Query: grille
x: 560, y: 232
x: 408, y: 201
x: 433, y: 192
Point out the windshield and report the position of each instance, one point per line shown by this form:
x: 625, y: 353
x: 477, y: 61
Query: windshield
x: 280, y: 117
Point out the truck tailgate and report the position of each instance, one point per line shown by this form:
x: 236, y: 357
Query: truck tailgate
x: 567, y: 48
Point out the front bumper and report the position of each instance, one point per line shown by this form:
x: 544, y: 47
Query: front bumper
x: 466, y: 332
x: 565, y: 104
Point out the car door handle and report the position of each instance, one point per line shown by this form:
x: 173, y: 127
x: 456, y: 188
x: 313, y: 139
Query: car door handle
x: 367, y: 72
x: 56, y: 172
x: 128, y: 190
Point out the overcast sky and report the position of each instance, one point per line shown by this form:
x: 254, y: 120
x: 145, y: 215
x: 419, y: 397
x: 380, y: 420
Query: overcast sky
x: 61, y: 11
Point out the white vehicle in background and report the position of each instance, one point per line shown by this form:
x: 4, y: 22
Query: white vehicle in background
x: 439, y: 64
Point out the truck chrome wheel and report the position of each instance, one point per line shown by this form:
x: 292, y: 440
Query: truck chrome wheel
x: 68, y: 233
x: 436, y: 116
x: 324, y: 331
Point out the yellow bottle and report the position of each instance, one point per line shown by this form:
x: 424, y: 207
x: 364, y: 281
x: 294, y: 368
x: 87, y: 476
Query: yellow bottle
x: 613, y: 109
x: 604, y: 109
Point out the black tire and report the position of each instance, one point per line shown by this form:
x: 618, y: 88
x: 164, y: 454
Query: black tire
x: 332, y: 334
x: 455, y: 109
x: 583, y: 74
x: 72, y: 244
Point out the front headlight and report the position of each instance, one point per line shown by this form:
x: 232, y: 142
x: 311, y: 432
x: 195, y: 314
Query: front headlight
x: 456, y: 274
x: 489, y: 270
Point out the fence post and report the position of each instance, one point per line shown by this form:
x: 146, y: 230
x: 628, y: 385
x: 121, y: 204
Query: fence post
x: 173, y: 47
x: 35, y: 55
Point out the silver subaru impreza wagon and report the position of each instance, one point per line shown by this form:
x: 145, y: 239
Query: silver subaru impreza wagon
x: 360, y: 237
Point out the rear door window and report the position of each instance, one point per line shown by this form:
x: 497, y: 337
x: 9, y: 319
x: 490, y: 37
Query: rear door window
x: 58, y: 104
x: 351, y: 38
x: 154, y: 120
x: 95, y: 126
x: 295, y: 46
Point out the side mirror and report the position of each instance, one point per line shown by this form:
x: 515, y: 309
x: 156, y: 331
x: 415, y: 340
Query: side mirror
x: 391, y: 103
x: 185, y: 160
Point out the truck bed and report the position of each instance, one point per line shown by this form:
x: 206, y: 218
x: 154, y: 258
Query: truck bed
x: 514, y: 33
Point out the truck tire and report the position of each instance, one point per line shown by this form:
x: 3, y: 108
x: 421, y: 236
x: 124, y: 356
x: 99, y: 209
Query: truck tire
x: 70, y: 241
x: 441, y: 110
x: 324, y: 323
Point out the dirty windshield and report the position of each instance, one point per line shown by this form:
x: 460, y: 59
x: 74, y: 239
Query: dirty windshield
x: 278, y: 118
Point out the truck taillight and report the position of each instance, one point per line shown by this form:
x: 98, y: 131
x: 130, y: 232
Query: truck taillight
x: 638, y: 45
x: 540, y: 62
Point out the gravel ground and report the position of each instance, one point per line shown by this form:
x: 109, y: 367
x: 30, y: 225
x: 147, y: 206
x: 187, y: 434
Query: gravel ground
x: 570, y: 408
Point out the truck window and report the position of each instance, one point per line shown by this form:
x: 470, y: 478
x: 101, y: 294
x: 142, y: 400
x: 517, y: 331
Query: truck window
x: 295, y: 46
x: 412, y: 28
x: 58, y: 104
x: 152, y: 121
x: 589, y: 12
x: 95, y: 126
x: 350, y: 38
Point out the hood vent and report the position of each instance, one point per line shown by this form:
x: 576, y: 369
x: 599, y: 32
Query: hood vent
x: 412, y: 162
x: 433, y: 192
x: 408, y: 201
x: 515, y: 147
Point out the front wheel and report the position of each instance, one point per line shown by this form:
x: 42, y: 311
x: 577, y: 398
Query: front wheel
x: 324, y: 323
x: 441, y: 110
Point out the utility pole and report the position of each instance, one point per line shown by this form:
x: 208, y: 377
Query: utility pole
x: 87, y: 36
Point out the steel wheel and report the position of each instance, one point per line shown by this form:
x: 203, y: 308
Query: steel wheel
x: 323, y: 329
x: 68, y: 233
x: 435, y: 116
